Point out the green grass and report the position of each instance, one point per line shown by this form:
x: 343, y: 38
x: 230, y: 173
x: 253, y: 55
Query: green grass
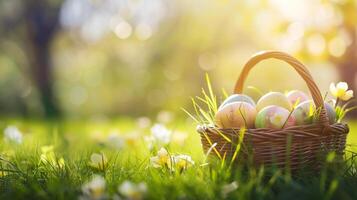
x: 27, y: 177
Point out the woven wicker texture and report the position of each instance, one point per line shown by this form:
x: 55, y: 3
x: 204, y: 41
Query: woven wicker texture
x: 297, y: 146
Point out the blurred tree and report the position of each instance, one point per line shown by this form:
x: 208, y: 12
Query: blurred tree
x: 33, y: 26
x: 166, y: 45
x: 42, y: 23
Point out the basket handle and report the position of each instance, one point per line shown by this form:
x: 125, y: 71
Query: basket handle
x: 298, y: 66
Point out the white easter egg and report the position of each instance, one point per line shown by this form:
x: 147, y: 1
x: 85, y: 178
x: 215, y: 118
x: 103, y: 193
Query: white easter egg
x: 273, y: 98
x: 303, y: 112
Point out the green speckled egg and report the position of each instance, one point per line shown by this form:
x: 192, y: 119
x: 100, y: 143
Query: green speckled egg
x: 274, y: 117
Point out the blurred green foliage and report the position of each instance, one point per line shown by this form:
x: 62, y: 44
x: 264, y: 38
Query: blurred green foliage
x: 136, y: 58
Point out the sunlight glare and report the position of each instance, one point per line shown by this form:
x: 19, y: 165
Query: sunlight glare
x: 316, y: 44
x: 123, y: 30
x: 143, y: 31
x: 337, y: 46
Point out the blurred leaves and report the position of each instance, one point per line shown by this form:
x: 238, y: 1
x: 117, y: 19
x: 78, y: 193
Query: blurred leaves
x: 139, y: 57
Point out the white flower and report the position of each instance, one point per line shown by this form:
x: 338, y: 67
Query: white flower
x: 161, y: 133
x: 143, y: 122
x: 182, y: 162
x: 115, y: 141
x: 94, y: 189
x: 228, y: 188
x: 341, y: 91
x: 13, y: 134
x: 132, y: 191
x: 98, y: 161
x: 162, y: 159
x: 172, y: 162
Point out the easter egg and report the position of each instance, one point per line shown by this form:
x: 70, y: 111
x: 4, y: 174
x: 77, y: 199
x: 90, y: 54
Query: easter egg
x: 331, y: 113
x: 273, y: 98
x: 274, y: 117
x: 238, y: 98
x: 236, y: 115
x: 303, y: 112
x: 296, y: 95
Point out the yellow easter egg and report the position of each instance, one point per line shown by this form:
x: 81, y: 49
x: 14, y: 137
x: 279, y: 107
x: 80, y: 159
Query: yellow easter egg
x: 274, y: 98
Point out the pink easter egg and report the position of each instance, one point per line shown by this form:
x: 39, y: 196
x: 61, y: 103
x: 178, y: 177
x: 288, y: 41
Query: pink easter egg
x: 274, y: 117
x: 296, y: 95
x: 236, y: 115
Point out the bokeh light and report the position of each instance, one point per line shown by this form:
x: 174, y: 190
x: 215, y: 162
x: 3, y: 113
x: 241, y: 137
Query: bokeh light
x: 138, y: 57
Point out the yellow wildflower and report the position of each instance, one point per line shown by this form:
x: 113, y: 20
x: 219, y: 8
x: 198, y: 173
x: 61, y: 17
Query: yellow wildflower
x: 340, y: 91
x: 98, y: 161
x: 182, y: 162
x: 48, y: 156
x: 161, y: 159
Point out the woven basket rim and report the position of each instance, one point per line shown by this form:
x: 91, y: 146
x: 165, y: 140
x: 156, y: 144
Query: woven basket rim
x: 316, y: 125
x: 305, y: 131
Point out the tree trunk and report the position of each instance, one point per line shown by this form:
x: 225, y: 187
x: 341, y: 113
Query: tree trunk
x: 41, y: 27
x: 42, y: 75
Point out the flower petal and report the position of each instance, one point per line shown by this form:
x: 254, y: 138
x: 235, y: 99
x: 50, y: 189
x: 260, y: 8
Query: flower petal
x: 348, y: 95
x: 162, y: 152
x: 333, y: 89
x: 342, y: 86
x: 155, y: 162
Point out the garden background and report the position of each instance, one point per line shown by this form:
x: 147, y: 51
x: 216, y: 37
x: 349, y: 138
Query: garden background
x: 76, y: 73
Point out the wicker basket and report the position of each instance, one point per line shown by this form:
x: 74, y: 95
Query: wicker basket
x: 297, y: 146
